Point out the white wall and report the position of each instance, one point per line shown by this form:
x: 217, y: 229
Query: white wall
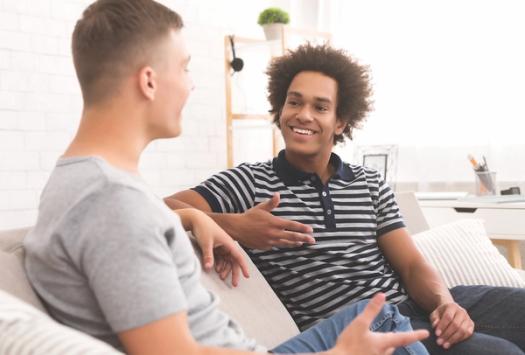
x: 426, y: 59
x: 40, y: 101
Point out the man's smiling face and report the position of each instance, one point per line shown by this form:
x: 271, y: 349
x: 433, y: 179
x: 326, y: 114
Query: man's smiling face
x: 308, y: 119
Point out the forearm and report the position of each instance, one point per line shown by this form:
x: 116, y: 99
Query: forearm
x: 176, y: 204
x: 425, y: 286
x: 186, y: 216
x: 223, y: 351
x: 205, y: 350
x: 193, y: 350
x: 227, y: 221
x: 255, y: 228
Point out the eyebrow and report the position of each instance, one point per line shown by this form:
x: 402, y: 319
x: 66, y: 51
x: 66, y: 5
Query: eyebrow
x: 316, y: 98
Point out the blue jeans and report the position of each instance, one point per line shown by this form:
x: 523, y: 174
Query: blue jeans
x: 323, y: 335
x: 498, y: 314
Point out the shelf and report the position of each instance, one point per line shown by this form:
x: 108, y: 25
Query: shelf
x: 251, y: 116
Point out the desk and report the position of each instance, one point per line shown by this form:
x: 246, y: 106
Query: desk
x: 505, y: 222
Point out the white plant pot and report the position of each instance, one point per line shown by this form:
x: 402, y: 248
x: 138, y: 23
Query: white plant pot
x: 273, y: 31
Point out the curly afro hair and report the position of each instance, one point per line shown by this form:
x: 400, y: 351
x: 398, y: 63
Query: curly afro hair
x: 353, y: 82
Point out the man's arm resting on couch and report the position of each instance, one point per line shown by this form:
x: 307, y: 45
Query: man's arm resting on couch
x: 256, y: 228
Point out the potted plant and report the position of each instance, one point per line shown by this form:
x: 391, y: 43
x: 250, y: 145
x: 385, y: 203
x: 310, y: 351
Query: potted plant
x: 272, y: 21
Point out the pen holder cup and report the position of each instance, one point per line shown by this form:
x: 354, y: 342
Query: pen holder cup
x: 485, y: 183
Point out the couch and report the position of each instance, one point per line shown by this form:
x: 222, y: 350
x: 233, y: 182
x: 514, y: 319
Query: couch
x: 461, y: 252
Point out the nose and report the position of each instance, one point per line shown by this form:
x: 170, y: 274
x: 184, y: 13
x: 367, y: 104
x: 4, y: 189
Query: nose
x: 305, y: 114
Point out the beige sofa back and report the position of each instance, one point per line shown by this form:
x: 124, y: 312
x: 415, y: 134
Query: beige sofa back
x: 13, y: 277
x: 253, y: 303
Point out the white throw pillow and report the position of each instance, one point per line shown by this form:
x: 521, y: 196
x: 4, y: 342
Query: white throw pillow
x: 26, y: 330
x: 464, y: 255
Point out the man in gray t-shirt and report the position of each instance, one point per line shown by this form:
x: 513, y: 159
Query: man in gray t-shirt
x: 108, y: 257
x: 104, y: 269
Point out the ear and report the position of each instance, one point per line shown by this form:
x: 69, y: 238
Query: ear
x: 148, y: 82
x: 340, y: 126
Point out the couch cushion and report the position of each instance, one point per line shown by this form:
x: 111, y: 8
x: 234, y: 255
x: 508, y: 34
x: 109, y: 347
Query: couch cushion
x: 26, y: 330
x: 254, y: 305
x: 13, y: 278
x: 11, y: 240
x: 464, y: 255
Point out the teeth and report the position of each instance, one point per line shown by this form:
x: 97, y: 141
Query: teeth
x: 303, y: 131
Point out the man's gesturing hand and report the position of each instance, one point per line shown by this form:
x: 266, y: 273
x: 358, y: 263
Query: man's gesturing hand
x: 358, y: 339
x: 258, y: 229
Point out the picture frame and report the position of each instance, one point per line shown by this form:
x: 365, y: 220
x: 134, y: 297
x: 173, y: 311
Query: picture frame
x: 378, y: 162
x: 382, y: 158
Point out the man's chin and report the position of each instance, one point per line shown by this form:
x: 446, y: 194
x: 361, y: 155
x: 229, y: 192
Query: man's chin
x: 297, y: 149
x: 167, y: 134
x: 175, y: 130
x: 175, y: 134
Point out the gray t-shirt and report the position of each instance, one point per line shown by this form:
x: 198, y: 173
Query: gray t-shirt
x: 106, y: 255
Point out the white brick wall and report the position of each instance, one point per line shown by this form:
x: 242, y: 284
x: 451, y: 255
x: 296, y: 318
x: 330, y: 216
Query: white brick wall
x: 40, y: 105
x: 40, y: 101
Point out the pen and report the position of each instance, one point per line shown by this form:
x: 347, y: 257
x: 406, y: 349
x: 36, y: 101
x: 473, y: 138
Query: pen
x: 474, y: 163
x: 485, y: 166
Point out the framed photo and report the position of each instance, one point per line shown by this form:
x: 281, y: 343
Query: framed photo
x: 377, y: 162
x: 382, y: 158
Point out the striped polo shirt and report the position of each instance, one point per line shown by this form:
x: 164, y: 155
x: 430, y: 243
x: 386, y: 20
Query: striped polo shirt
x: 348, y: 215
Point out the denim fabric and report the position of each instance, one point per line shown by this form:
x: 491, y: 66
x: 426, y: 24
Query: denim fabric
x: 498, y: 314
x: 323, y: 335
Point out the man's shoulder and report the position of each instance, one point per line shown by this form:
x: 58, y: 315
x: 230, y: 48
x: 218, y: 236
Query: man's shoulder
x: 100, y: 183
x: 86, y: 191
x: 253, y: 171
x: 124, y: 207
x: 364, y: 173
x: 257, y: 166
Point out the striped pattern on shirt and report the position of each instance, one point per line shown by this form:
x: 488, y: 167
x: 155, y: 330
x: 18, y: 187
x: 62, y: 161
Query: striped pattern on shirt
x: 348, y: 215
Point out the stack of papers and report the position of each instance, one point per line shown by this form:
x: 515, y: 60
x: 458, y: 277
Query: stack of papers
x: 494, y: 198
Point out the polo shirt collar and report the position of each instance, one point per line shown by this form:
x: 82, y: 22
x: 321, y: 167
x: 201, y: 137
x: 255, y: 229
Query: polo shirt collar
x: 291, y: 175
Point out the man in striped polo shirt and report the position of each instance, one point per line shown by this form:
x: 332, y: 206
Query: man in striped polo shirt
x: 325, y: 233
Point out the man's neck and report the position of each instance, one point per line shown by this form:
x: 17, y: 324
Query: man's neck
x: 113, y: 135
x: 318, y: 164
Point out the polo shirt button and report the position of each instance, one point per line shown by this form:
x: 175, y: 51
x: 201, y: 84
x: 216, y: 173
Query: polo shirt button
x: 328, y: 211
x: 324, y: 193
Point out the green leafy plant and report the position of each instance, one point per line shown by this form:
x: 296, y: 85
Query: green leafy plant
x: 273, y: 15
